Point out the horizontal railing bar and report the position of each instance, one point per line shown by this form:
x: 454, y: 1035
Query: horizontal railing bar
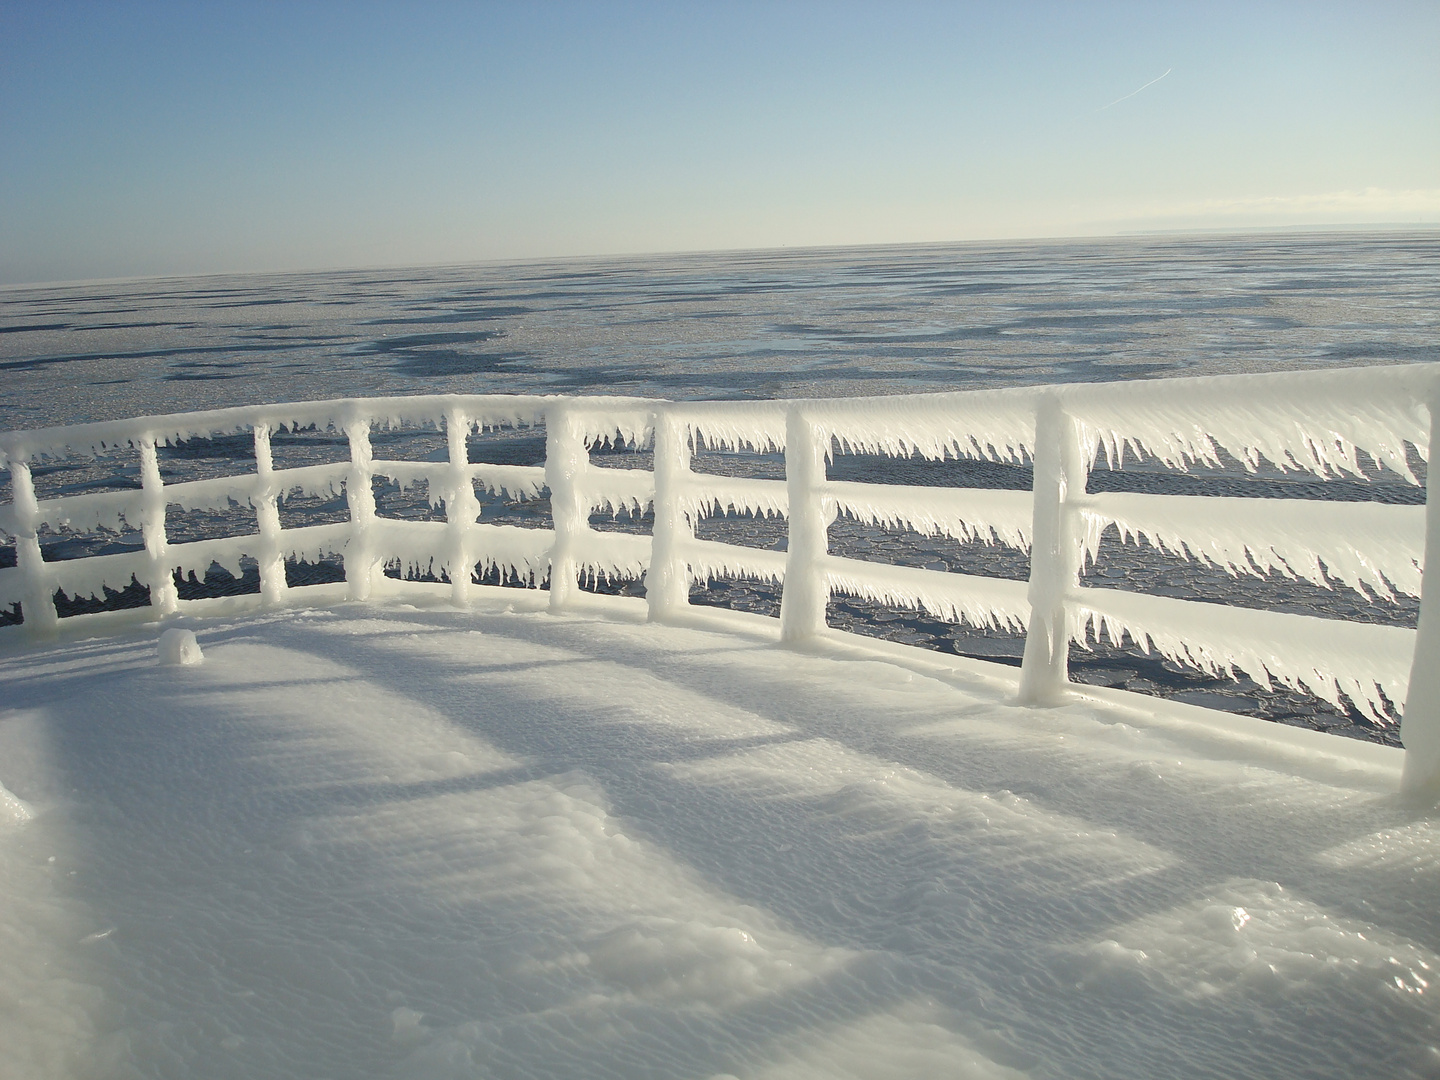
x: 980, y: 601
x: 617, y: 489
x: 732, y: 425
x: 960, y: 513
x: 488, y: 410
x: 615, y: 554
x: 91, y: 510
x: 92, y: 575
x: 1360, y: 543
x: 516, y: 481
x: 711, y: 558
x: 701, y: 494
x: 314, y: 540
x: 1324, y: 656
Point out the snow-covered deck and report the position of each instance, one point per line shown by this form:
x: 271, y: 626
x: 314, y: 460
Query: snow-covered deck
x: 402, y: 839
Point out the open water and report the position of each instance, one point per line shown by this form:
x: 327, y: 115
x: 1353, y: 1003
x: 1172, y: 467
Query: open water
x: 877, y: 320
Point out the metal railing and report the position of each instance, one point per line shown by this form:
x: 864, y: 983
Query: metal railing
x: 1352, y: 421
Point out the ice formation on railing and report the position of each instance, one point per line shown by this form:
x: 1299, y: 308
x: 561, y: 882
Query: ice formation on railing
x: 706, y: 494
x: 1371, y: 547
x: 709, y: 559
x: 1327, y: 423
x: 733, y: 425
x: 1328, y: 657
x: 616, y: 491
x: 1317, y: 422
x: 980, y: 601
x: 961, y: 513
x: 991, y: 424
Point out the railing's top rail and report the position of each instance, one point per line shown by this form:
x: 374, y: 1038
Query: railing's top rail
x: 488, y: 410
x: 1314, y: 420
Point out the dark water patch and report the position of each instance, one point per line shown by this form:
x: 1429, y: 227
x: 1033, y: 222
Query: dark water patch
x: 1235, y: 482
x: 1099, y: 320
x: 219, y: 582
x: 134, y: 595
x: 841, y: 335
x: 32, y: 328
x: 440, y: 363
x: 1382, y: 350
x: 973, y: 288
x: 39, y: 362
x: 216, y: 448
x: 503, y: 449
x: 406, y: 342
x: 268, y: 301
x: 135, y: 326
x: 324, y: 572
x: 923, y: 472
x: 202, y: 376
x: 470, y: 315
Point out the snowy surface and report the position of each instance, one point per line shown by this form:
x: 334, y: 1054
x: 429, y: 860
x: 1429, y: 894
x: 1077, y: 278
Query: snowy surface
x: 415, y: 841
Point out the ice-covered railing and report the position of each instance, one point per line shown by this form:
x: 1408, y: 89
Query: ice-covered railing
x: 1327, y: 423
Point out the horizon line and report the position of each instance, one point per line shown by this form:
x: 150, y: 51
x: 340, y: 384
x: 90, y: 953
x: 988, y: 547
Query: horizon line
x: 1169, y: 233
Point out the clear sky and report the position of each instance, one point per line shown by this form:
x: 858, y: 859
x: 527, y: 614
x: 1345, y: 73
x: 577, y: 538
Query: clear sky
x: 155, y: 138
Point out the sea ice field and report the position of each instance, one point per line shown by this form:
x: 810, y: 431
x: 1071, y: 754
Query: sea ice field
x: 405, y: 840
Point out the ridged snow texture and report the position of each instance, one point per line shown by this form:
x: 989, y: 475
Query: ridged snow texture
x: 1327, y: 423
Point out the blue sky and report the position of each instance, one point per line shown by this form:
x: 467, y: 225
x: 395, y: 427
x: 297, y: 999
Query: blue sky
x: 151, y: 138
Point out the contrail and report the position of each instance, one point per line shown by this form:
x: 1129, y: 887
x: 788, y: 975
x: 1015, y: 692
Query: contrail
x: 1132, y: 93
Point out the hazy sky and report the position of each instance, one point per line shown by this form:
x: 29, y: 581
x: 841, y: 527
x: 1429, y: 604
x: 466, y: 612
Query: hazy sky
x: 149, y: 138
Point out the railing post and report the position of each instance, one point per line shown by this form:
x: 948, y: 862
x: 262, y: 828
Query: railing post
x: 37, y: 606
x: 267, y: 518
x: 805, y: 591
x: 1060, y: 472
x: 667, y: 582
x: 360, y: 562
x: 461, y: 507
x: 566, y: 459
x: 1420, y: 722
x: 163, y: 597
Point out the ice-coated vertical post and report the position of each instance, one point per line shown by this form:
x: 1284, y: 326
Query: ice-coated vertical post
x: 461, y: 507
x: 37, y: 604
x: 267, y: 518
x: 1060, y: 472
x: 806, y: 592
x: 667, y: 581
x: 360, y: 562
x: 163, y: 597
x: 1420, y: 722
x: 566, y: 459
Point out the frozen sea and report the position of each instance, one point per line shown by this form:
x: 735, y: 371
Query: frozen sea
x: 767, y: 324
